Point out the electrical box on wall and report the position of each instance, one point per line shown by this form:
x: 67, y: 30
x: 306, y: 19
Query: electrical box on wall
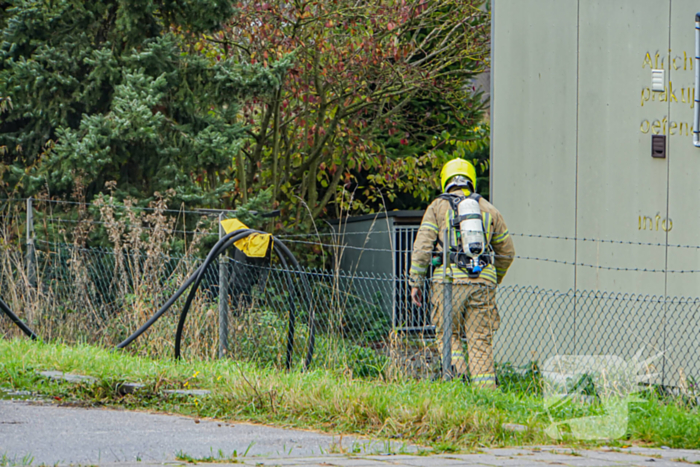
x: 658, y: 146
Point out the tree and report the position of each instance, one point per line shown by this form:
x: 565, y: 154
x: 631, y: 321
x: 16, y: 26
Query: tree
x: 112, y: 90
x: 433, y: 127
x: 360, y: 70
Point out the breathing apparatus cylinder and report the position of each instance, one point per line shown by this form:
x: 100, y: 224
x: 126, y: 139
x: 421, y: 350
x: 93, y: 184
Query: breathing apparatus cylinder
x: 472, y: 235
x: 471, y: 227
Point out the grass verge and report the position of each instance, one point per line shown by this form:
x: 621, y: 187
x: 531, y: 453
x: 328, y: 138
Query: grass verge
x: 447, y: 416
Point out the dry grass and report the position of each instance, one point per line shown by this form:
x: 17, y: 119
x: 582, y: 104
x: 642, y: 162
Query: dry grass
x: 84, y: 298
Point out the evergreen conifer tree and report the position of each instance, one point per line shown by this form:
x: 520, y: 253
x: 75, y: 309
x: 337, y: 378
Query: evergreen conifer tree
x: 118, y: 90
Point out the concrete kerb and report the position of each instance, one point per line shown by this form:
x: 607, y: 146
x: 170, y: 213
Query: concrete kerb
x: 60, y: 376
x: 122, y: 389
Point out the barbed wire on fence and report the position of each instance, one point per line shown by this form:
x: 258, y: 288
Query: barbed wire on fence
x: 602, y: 240
x: 542, y: 236
x: 204, y: 211
x: 141, y: 226
x: 608, y: 268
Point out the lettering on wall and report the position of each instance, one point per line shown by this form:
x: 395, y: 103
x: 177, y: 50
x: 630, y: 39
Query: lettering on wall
x: 675, y: 61
x: 683, y: 94
x: 664, y: 127
x: 653, y: 223
x: 687, y: 95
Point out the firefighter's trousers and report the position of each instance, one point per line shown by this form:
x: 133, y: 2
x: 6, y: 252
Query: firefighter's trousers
x: 474, y: 315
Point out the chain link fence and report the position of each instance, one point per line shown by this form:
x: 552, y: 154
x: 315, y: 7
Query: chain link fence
x: 358, y: 323
x: 94, y: 295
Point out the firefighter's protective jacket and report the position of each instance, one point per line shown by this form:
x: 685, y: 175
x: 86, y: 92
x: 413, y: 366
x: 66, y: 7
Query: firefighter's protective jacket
x: 431, y: 234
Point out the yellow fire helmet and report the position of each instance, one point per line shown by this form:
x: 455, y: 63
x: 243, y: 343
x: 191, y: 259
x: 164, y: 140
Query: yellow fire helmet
x: 457, y: 167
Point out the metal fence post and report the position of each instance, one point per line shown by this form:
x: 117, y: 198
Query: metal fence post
x: 31, y: 249
x: 446, y: 311
x: 223, y: 297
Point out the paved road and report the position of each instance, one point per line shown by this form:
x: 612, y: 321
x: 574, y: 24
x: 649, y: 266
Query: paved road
x: 51, y: 435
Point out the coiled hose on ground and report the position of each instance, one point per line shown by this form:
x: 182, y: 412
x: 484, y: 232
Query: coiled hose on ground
x: 16, y: 320
x: 285, y: 256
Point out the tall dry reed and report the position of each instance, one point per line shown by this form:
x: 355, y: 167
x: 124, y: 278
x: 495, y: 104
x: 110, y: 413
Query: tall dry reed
x: 102, y: 295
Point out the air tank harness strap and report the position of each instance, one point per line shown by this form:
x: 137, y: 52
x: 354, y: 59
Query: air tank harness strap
x: 455, y: 199
x: 454, y: 202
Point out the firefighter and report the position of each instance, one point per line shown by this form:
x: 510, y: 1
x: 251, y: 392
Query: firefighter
x: 479, y: 253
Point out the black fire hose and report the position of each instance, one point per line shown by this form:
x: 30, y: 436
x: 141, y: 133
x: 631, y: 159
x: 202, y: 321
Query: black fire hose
x: 160, y: 312
x: 16, y: 320
x: 225, y: 242
x: 292, y: 315
x: 312, y: 312
x: 165, y: 307
x: 284, y: 254
x: 222, y: 245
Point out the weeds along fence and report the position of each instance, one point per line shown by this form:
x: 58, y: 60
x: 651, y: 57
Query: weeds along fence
x: 363, y: 324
